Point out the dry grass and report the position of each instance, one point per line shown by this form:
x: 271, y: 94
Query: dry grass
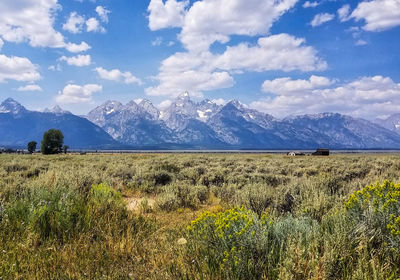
x: 169, y: 191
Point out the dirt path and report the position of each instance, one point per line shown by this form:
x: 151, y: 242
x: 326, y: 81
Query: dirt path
x: 134, y: 203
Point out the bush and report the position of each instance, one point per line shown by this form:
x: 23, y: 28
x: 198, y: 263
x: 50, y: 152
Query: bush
x: 376, y: 211
x: 238, y: 244
x: 177, y: 196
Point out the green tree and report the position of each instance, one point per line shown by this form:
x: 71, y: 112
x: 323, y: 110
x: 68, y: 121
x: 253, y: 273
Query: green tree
x: 32, y: 146
x: 52, y: 142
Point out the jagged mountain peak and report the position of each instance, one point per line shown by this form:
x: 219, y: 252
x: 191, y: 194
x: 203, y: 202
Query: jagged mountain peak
x: 236, y: 103
x: 149, y: 108
x: 11, y: 106
x: 184, y: 95
x: 56, y: 110
x: 391, y: 122
x: 131, y: 103
x: 111, y: 103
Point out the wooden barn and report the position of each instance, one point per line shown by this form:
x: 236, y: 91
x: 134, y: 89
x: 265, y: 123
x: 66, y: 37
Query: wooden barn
x: 321, y: 152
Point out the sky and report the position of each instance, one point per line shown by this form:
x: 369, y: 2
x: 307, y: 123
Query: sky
x: 281, y: 57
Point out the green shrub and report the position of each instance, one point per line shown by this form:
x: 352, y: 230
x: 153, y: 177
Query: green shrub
x: 177, y: 196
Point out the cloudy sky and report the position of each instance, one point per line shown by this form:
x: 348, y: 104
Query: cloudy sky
x: 282, y: 57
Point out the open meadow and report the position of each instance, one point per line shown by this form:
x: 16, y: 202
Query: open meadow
x: 199, y: 216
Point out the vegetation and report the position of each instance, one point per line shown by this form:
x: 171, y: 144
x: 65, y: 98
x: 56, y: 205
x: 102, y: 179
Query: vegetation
x: 52, y: 142
x: 32, y: 146
x: 199, y: 216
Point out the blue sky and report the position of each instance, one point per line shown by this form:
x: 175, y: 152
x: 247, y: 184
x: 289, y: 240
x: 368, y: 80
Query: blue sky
x: 280, y: 57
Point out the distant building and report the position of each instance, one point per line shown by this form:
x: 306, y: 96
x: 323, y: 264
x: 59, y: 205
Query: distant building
x: 321, y: 152
x: 295, y: 153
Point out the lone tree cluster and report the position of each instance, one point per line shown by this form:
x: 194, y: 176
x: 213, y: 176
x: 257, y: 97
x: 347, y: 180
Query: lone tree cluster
x: 52, y: 142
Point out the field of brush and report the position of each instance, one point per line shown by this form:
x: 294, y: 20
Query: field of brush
x: 199, y: 216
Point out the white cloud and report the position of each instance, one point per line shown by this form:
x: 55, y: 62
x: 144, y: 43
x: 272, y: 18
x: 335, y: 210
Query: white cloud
x: 379, y: 15
x: 205, y: 22
x: 157, y: 42
x: 320, y: 19
x: 18, y: 69
x: 365, y: 97
x: 164, y: 104
x: 344, y: 12
x: 168, y: 14
x: 31, y: 21
x: 277, y: 52
x: 74, y: 23
x: 172, y: 84
x: 30, y: 88
x: 55, y: 67
x: 118, y: 76
x: 361, y: 42
x: 219, y: 101
x: 309, y: 4
x: 77, y: 94
x: 209, y: 21
x: 75, y: 48
x: 103, y: 13
x: 93, y: 25
x: 197, y: 72
x: 1, y: 43
x: 78, y: 60
x: 287, y: 86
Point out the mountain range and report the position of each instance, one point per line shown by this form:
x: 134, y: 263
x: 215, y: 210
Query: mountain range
x: 186, y: 124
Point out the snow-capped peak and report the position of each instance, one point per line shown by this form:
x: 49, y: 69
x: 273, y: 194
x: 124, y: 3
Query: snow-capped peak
x: 11, y: 106
x: 56, y: 110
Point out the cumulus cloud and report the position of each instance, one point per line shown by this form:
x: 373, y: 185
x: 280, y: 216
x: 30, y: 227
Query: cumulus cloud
x: 30, y: 88
x: 309, y: 4
x: 196, y: 82
x: 320, y: 19
x: 102, y: 13
x: 168, y: 14
x: 365, y: 97
x: 219, y: 101
x: 75, y: 48
x: 78, y: 60
x: 206, y: 22
x: 164, y: 104
x: 30, y: 21
x: 197, y: 72
x: 118, y: 76
x: 287, y: 86
x: 379, y: 15
x: 277, y: 52
x: 18, y: 69
x: 74, y: 23
x: 93, y: 25
x: 344, y: 12
x: 72, y: 94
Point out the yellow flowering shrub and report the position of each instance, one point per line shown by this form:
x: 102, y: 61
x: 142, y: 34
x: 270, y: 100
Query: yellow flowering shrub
x: 378, y: 206
x: 229, y: 240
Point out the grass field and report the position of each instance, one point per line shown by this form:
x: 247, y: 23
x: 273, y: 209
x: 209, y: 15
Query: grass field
x: 199, y: 216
